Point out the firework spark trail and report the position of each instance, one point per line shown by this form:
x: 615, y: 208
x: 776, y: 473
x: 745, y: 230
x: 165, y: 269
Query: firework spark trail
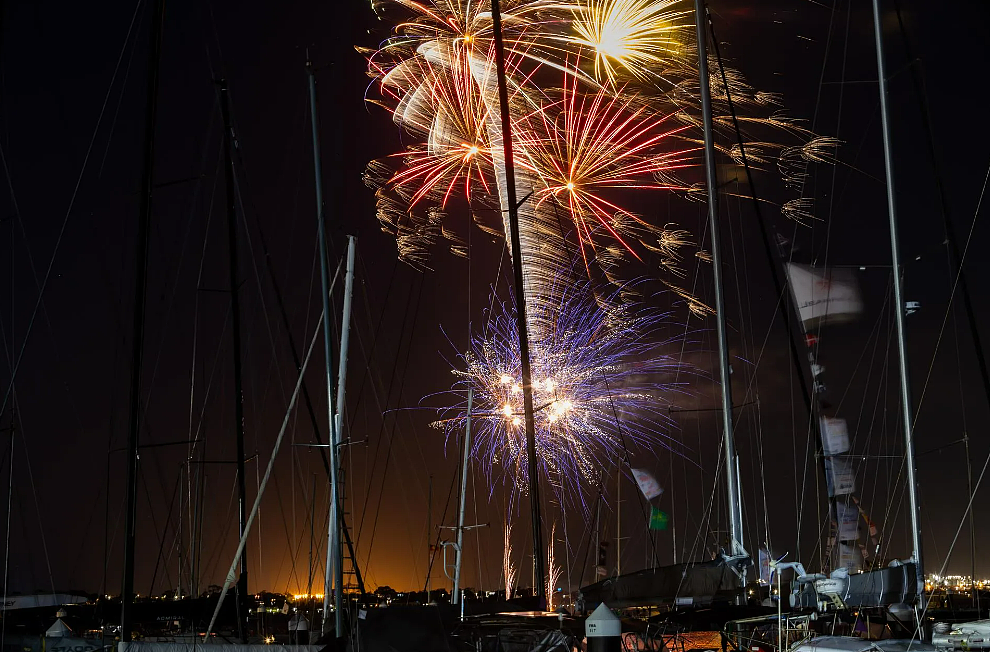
x: 508, y: 569
x: 543, y: 247
x: 553, y: 569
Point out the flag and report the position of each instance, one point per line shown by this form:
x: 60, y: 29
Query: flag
x: 835, y: 436
x: 824, y: 295
x: 658, y: 519
x: 839, y: 476
x: 647, y: 484
x: 847, y: 517
x: 850, y: 558
x: 765, y: 573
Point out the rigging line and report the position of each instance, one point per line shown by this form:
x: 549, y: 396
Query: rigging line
x: 178, y: 266
x: 395, y: 420
x: 218, y: 545
x: 874, y: 333
x: 443, y: 518
x: 828, y: 234
x: 950, y: 235
x: 161, y: 546
x: 938, y: 342
x: 969, y: 506
x: 952, y: 295
x: 477, y: 533
x: 965, y: 439
x: 292, y: 344
x: 288, y: 537
x: 213, y: 371
x: 586, y: 534
x: 880, y: 383
x: 764, y: 235
x: 151, y: 514
x: 195, y: 330
x: 65, y: 220
x: 749, y: 346
x: 6, y: 548
x: 388, y: 394
x: 261, y: 489
x: 254, y: 261
x: 705, y: 515
x: 625, y: 458
x: 34, y: 491
x: 369, y: 358
x: 123, y: 86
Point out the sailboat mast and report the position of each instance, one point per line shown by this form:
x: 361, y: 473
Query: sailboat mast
x: 527, y: 388
x: 895, y: 258
x: 336, y: 514
x: 334, y: 563
x: 618, y: 519
x: 235, y: 315
x: 455, y: 597
x: 731, y: 479
x: 137, y: 342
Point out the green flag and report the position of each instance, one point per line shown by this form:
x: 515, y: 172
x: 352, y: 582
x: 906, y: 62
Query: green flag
x: 658, y: 519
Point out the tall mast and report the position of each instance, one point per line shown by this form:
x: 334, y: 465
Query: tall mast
x: 140, y: 291
x: 235, y: 315
x: 336, y: 515
x: 455, y: 598
x: 731, y: 479
x: 510, y: 188
x: 895, y: 258
x: 335, y: 568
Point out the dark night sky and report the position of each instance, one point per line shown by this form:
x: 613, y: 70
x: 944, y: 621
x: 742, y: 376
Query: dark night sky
x: 56, y: 64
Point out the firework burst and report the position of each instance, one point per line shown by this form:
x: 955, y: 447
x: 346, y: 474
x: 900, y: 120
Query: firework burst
x: 641, y: 37
x: 601, y: 385
x: 586, y: 145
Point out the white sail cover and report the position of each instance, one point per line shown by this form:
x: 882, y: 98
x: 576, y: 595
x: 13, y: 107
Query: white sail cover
x: 824, y: 295
x: 835, y: 436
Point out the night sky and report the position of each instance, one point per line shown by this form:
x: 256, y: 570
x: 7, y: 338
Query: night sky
x: 70, y: 198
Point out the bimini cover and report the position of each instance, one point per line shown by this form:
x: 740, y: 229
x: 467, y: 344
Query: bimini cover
x: 695, y: 584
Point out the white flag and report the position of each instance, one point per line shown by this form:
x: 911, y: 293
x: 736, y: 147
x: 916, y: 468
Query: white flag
x: 847, y: 517
x: 824, y: 295
x: 647, y: 484
x: 850, y: 558
x: 835, y: 436
x: 840, y: 476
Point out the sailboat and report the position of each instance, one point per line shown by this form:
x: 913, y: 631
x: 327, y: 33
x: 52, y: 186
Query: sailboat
x: 894, y: 595
x: 894, y: 592
x: 245, y: 519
